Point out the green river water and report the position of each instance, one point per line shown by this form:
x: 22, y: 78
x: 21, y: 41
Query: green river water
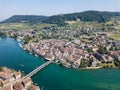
x: 55, y: 77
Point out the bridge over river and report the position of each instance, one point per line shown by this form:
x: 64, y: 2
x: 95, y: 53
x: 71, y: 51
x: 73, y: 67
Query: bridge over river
x: 31, y: 73
x: 36, y: 70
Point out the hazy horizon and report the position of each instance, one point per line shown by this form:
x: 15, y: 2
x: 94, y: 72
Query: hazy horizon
x: 52, y: 7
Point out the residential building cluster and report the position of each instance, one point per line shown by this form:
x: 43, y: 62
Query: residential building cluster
x: 85, y: 47
x: 11, y: 80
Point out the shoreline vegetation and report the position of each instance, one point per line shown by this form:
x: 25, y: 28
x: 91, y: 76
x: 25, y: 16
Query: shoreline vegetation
x: 78, y: 40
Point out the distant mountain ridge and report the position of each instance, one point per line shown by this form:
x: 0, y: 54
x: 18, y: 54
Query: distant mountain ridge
x: 100, y: 16
x: 25, y: 19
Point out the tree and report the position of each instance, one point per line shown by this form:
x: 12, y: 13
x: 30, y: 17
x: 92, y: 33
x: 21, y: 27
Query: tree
x: 0, y: 68
x: 117, y: 62
x: 26, y: 40
x: 84, y: 63
x: 102, y: 50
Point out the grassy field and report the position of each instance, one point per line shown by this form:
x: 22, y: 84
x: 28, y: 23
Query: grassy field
x: 80, y: 24
x: 112, y: 23
x: 23, y: 26
x: 115, y: 36
x: 14, y: 26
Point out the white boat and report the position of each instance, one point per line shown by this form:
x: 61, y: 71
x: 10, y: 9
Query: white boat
x: 21, y: 65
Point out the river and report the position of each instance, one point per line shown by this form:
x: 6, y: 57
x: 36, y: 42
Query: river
x: 55, y: 77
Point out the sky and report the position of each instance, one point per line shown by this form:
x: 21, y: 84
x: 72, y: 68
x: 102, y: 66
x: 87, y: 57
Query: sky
x: 9, y: 8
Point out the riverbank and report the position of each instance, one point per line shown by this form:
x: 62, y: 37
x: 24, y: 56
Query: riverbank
x: 11, y: 80
x: 55, y: 62
x: 71, y: 53
x: 55, y: 77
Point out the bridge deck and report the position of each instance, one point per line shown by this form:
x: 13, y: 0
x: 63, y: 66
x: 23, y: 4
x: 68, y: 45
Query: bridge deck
x: 36, y: 70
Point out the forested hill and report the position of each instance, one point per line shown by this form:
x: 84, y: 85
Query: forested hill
x: 25, y: 19
x: 60, y: 19
x: 83, y: 16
